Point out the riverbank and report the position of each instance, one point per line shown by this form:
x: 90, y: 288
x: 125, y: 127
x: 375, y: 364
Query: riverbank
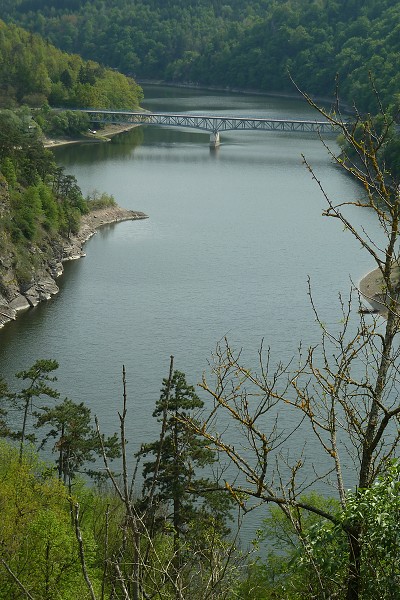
x: 43, y: 285
x: 91, y: 222
x: 372, y: 287
x: 101, y: 136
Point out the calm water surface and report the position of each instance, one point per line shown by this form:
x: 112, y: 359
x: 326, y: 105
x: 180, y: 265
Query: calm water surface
x: 232, y: 237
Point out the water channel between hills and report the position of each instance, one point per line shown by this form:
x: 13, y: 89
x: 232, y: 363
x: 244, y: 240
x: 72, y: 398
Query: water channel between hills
x: 232, y: 237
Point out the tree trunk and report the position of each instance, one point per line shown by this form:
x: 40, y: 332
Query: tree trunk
x: 354, y: 574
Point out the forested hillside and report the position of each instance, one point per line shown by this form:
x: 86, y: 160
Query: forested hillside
x: 250, y: 44
x: 33, y: 72
x: 40, y: 205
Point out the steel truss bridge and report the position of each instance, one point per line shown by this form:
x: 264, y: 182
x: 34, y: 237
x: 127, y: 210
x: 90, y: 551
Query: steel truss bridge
x: 213, y: 124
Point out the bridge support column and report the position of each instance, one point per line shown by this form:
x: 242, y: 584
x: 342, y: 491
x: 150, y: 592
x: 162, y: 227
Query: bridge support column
x: 214, y: 139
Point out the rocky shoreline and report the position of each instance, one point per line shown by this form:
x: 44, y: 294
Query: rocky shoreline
x: 44, y: 285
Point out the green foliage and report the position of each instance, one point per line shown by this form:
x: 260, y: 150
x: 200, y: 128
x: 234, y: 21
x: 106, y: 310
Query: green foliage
x: 49, y: 207
x: 37, y: 541
x: 76, y: 441
x: 298, y: 563
x: 391, y: 152
x: 27, y: 208
x: 307, y: 556
x: 43, y: 203
x: 39, y: 544
x: 96, y: 201
x: 377, y: 510
x: 35, y: 73
x: 178, y: 455
x: 13, y: 129
x: 65, y: 123
x: 264, y: 580
x: 364, y: 134
x: 177, y: 497
x: 38, y: 378
x: 8, y: 170
x: 21, y: 152
x: 250, y: 44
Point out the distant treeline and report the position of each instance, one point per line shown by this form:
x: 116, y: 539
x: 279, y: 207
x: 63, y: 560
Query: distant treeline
x: 252, y: 44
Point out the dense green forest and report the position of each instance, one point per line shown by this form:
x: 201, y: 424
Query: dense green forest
x: 252, y: 45
x: 41, y: 205
x: 34, y: 73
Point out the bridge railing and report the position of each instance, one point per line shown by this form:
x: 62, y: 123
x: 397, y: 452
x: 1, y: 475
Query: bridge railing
x: 209, y: 123
x: 214, y: 124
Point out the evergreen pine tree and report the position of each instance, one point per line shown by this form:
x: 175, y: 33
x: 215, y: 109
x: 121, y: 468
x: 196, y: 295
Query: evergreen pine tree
x: 173, y: 481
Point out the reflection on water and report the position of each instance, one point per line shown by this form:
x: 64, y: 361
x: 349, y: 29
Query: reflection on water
x: 119, y: 146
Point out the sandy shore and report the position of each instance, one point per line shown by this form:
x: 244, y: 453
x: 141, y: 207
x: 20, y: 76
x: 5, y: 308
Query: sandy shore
x: 372, y: 287
x: 371, y: 283
x: 104, y: 135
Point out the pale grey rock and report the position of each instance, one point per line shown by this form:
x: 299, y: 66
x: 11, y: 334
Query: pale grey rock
x: 19, y: 303
x: 6, y: 314
x: 32, y: 295
x: 3, y: 300
x: 47, y: 287
x: 56, y: 270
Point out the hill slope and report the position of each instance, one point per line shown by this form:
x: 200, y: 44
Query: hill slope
x: 250, y: 44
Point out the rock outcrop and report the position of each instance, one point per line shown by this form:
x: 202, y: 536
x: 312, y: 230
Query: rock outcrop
x: 14, y: 298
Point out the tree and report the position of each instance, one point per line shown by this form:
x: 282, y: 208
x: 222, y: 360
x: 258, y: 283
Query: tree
x: 172, y: 481
x: 28, y: 212
x: 172, y: 473
x: 39, y: 555
x: 5, y: 396
x: 49, y: 207
x: 76, y: 441
x: 38, y: 377
x: 71, y: 202
x: 344, y: 390
x: 8, y: 170
x: 146, y: 561
x: 66, y: 79
x: 11, y: 133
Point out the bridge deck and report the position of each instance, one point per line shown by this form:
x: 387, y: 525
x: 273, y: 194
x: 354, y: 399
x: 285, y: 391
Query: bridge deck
x: 213, y: 124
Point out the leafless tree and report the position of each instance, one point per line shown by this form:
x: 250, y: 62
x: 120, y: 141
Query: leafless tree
x: 141, y: 564
x: 343, y: 391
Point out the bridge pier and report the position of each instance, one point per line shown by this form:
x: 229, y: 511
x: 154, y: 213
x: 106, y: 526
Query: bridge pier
x: 214, y: 139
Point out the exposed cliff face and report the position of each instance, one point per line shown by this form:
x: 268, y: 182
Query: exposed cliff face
x: 16, y: 292
x: 45, y: 263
